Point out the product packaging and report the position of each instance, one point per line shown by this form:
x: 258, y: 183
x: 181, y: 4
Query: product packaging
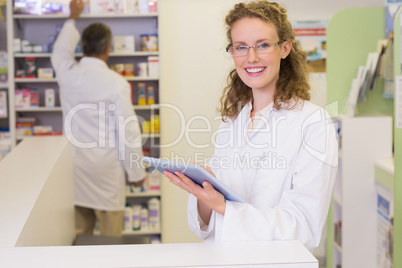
x: 144, y: 218
x: 136, y: 217
x: 143, y: 6
x: 146, y: 128
x: 30, y: 67
x: 19, y: 73
x: 141, y: 94
x: 124, y: 44
x: 128, y: 218
x: 3, y: 104
x: 45, y: 73
x: 154, y: 213
x: 49, y: 98
x: 26, y: 98
x: 143, y: 69
x: 18, y: 98
x: 101, y: 6
x: 153, y: 6
x: 37, y: 48
x: 153, y: 66
x: 155, y: 123
x: 154, y: 182
x: 131, y: 7
x: 17, y: 45
x: 119, y: 68
x: 149, y: 42
x: 34, y: 98
x: 129, y: 70
x: 151, y: 95
x: 26, y: 46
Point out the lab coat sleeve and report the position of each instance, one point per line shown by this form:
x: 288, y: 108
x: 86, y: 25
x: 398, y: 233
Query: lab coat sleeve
x: 129, y: 133
x: 199, y: 228
x: 302, y: 210
x: 62, y: 57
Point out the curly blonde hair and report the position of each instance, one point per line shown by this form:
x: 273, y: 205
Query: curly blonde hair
x: 294, y: 72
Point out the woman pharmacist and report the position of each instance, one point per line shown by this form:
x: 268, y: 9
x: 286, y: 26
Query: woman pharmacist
x: 275, y: 149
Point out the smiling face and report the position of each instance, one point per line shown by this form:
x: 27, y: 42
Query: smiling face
x: 258, y: 71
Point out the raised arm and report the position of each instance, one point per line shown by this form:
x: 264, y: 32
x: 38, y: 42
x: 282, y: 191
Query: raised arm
x: 63, y: 50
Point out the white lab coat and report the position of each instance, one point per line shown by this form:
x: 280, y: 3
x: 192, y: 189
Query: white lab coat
x: 285, y: 172
x: 94, y: 99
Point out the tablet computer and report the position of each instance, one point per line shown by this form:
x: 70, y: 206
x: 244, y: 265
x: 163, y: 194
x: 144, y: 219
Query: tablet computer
x: 196, y: 173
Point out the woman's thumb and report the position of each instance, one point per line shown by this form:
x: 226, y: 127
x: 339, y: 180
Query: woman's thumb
x: 207, y: 186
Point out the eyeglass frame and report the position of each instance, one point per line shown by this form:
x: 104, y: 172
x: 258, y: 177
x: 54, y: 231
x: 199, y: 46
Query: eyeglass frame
x: 275, y: 44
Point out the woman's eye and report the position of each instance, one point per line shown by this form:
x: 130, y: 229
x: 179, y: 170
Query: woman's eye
x: 264, y: 45
x: 241, y: 47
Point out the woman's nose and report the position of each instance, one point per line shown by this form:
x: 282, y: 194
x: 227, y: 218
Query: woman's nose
x: 252, y: 55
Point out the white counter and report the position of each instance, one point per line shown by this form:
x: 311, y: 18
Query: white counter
x: 281, y: 254
x: 36, y: 194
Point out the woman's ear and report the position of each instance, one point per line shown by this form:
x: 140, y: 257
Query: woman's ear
x: 287, y: 46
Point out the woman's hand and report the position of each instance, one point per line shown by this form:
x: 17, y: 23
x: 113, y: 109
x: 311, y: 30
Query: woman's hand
x: 206, y: 194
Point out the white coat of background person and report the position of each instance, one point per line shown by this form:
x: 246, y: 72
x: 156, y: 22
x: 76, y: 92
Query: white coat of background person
x: 275, y: 149
x: 101, y: 124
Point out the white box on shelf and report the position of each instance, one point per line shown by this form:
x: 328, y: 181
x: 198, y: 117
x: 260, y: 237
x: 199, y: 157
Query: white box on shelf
x: 101, y: 6
x: 3, y: 104
x: 124, y: 44
x: 18, y: 98
x: 49, y: 98
x: 153, y: 66
x: 17, y: 45
x: 45, y: 73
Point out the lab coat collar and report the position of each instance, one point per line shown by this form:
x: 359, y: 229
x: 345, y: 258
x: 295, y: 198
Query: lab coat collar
x: 93, y: 61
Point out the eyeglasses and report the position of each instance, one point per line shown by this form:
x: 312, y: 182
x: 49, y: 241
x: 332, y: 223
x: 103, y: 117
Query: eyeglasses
x: 262, y: 48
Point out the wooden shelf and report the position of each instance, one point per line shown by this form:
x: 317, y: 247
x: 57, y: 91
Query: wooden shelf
x: 85, y: 16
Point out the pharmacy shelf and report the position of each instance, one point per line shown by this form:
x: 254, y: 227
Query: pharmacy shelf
x: 54, y: 80
x: 146, y: 107
x: 150, y: 135
x: 38, y: 109
x: 140, y: 78
x: 85, y: 16
x: 113, y: 54
x: 35, y: 80
x: 144, y: 194
x: 142, y: 232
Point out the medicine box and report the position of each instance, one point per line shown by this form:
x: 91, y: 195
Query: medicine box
x: 45, y: 73
x: 153, y: 66
x: 101, y: 6
x: 124, y: 44
x: 49, y: 98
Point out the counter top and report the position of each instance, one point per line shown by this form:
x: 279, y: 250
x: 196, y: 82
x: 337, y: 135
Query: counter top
x: 289, y: 254
x: 384, y: 172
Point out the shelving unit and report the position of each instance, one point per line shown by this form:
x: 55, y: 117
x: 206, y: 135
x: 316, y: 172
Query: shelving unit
x: 397, y: 179
x: 364, y: 138
x: 27, y: 27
